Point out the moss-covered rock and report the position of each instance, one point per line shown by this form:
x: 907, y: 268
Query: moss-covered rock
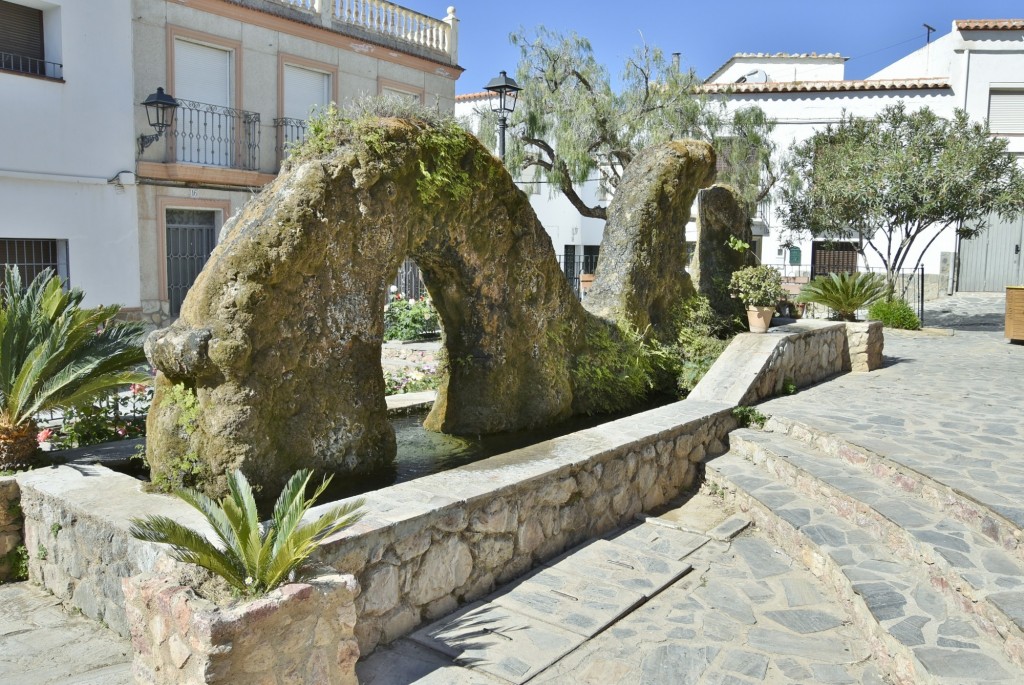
x: 723, y: 229
x: 274, y: 363
x: 641, y: 276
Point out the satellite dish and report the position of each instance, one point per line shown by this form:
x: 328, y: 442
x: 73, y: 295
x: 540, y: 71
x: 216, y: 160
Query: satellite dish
x: 755, y: 76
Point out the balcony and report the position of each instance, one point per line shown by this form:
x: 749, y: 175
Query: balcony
x: 379, y: 21
x: 289, y: 132
x: 31, y: 66
x: 214, y: 135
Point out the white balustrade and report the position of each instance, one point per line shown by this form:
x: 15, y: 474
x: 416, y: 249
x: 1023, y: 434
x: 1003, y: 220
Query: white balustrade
x: 388, y: 19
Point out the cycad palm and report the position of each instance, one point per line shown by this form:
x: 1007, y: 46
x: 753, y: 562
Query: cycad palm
x: 845, y: 293
x: 54, y: 355
x: 251, y: 558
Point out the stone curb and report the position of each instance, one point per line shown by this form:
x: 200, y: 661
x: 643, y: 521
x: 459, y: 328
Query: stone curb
x: 991, y: 618
x: 961, y: 506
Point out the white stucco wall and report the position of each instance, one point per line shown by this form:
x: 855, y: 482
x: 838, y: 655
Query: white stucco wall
x: 61, y: 141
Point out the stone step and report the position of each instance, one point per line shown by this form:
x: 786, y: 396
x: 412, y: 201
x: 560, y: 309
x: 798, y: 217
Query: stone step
x: 916, y: 632
x: 977, y: 574
x: 978, y: 499
x: 519, y: 632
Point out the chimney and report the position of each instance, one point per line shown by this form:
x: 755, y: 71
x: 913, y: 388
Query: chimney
x: 675, y: 60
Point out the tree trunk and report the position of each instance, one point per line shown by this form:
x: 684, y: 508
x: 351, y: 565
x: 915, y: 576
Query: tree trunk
x: 18, y: 445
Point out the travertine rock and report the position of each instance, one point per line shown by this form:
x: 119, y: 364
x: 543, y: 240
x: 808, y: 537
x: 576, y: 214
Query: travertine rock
x: 720, y: 216
x: 642, y: 271
x: 277, y: 350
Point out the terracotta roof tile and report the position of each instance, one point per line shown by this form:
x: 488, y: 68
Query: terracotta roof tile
x: 826, y: 86
x: 990, y: 24
x: 471, y: 97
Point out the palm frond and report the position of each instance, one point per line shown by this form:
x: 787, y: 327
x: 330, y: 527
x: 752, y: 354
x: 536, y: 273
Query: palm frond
x: 254, y: 559
x: 845, y: 293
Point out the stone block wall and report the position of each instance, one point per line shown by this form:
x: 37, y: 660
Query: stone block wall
x: 76, y: 531
x: 429, y: 545
x: 865, y: 344
x: 10, y: 526
x: 299, y: 633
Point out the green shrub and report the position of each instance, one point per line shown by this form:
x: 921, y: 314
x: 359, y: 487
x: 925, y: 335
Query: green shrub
x: 702, y: 337
x: 409, y: 319
x: 845, y: 293
x: 894, y: 314
x: 757, y: 286
x: 749, y: 416
x: 252, y: 558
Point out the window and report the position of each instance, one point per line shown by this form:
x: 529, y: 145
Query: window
x: 32, y: 256
x: 22, y: 45
x: 191, y: 237
x: 833, y: 258
x: 1006, y: 111
x: 400, y: 90
x: 204, y: 125
x: 590, y: 254
x: 305, y: 90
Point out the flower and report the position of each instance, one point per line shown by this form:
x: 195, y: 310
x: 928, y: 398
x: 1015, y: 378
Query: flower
x: 138, y: 388
x: 44, y: 435
x: 394, y: 289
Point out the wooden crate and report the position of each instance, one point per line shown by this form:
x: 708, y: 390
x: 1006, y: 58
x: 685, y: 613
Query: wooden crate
x: 1015, y: 312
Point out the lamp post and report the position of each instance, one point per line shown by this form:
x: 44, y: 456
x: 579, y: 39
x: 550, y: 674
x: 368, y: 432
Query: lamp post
x: 507, y: 91
x: 160, y: 111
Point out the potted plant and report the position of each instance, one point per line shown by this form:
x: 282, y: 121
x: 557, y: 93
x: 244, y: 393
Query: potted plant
x: 759, y: 288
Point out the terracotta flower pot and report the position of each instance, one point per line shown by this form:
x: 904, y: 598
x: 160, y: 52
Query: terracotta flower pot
x: 759, y: 318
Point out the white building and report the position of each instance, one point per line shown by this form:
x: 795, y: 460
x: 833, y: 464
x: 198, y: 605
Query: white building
x: 132, y: 223
x: 978, y: 67
x: 67, y: 148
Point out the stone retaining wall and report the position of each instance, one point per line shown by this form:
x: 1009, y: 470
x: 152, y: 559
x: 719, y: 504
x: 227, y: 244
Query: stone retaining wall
x: 299, y: 633
x: 429, y: 545
x: 10, y: 526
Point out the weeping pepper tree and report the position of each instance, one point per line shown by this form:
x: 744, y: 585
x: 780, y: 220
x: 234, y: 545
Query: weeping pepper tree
x: 573, y: 125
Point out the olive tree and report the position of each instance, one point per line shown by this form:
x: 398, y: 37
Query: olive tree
x: 898, y: 178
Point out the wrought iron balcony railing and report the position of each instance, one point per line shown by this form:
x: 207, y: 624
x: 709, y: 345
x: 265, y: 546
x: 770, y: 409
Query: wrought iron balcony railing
x: 216, y: 136
x: 290, y: 132
x: 30, y: 65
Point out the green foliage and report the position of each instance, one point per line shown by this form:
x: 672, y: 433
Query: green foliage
x: 572, y: 124
x: 115, y: 417
x: 443, y: 143
x: 737, y: 244
x: 17, y: 561
x: 55, y: 528
x: 894, y: 314
x: 749, y: 416
x: 702, y: 337
x: 884, y: 181
x: 253, y: 558
x: 42, y: 552
x: 409, y: 319
x: 757, y: 286
x: 185, y: 470
x: 789, y: 387
x: 55, y: 355
x: 618, y: 368
x: 845, y: 293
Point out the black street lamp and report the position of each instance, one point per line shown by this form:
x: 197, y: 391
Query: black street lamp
x: 508, y: 91
x: 160, y: 111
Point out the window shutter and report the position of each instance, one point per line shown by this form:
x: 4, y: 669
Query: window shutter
x: 21, y: 30
x: 1006, y: 111
x: 303, y: 90
x: 202, y: 73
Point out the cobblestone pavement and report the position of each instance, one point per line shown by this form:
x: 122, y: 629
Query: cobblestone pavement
x: 947, y: 406
x: 41, y: 644
x: 967, y: 311
x: 738, y: 610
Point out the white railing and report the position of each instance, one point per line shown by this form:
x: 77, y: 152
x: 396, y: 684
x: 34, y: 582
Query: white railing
x: 389, y: 19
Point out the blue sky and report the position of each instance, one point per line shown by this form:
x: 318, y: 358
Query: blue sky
x: 873, y: 33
